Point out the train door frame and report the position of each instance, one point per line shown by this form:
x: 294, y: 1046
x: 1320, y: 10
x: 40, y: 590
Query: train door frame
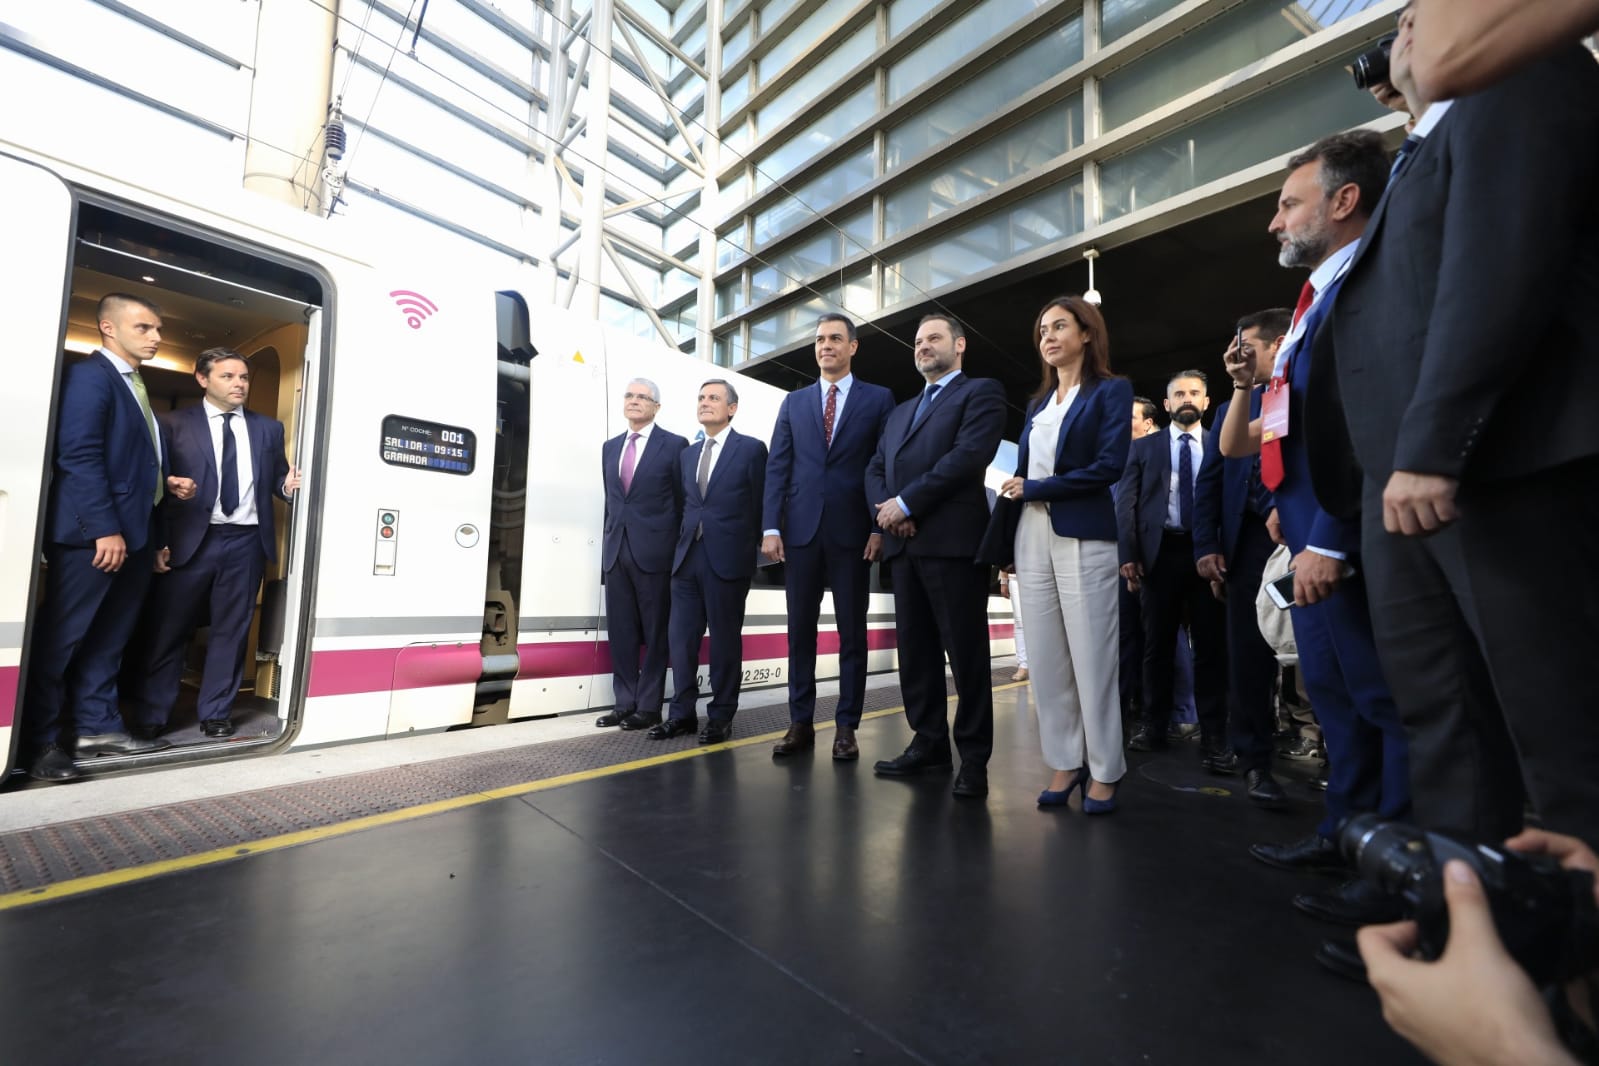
x: 303, y: 529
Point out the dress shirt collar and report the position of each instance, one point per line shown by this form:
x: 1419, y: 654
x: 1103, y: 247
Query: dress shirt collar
x: 1430, y: 118
x: 719, y: 434
x: 117, y: 361
x: 843, y: 384
x: 643, y: 433
x: 947, y: 379
x: 1195, y: 432
x: 213, y: 411
x: 1335, y: 265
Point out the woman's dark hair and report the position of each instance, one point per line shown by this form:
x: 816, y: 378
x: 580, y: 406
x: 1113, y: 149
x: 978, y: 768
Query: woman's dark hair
x: 1096, y: 349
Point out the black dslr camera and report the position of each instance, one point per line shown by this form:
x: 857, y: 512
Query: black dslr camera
x: 1544, y: 914
x: 1371, y: 68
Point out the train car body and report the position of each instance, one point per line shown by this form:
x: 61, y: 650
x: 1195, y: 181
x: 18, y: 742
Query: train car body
x: 440, y: 567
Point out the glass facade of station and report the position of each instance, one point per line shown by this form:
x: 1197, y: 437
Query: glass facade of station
x: 857, y: 154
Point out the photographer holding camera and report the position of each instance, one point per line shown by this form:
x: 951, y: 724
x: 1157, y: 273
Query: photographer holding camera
x: 1476, y: 1005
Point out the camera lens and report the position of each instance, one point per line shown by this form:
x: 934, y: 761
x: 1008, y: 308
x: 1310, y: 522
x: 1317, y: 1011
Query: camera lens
x: 1371, y: 68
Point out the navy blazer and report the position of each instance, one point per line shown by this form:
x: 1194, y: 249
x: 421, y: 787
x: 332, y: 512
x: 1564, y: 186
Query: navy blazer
x: 806, y: 478
x: 1221, y: 490
x: 730, y: 508
x: 106, y: 467
x: 192, y: 455
x: 936, y: 466
x: 1090, y: 456
x: 650, y: 514
x: 1143, y: 494
x: 1304, y: 520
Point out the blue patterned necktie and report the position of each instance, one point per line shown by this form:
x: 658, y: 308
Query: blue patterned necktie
x: 927, y: 401
x: 1185, y: 481
x: 1401, y: 157
x: 230, y: 468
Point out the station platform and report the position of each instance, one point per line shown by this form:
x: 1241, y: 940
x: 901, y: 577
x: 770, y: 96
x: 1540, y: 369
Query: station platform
x: 686, y: 905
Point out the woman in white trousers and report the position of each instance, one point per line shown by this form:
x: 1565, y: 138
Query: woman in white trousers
x: 1073, y: 449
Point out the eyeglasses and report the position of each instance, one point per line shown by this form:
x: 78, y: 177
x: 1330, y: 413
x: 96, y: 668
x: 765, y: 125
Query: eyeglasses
x: 638, y: 396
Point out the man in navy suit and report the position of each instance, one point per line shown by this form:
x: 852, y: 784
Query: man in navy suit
x: 1155, y: 520
x: 101, y: 542
x: 643, y: 511
x: 1231, y: 547
x: 1465, y: 346
x: 220, y: 537
x: 818, y: 523
x: 723, y: 477
x: 926, y: 481
x: 1325, y: 202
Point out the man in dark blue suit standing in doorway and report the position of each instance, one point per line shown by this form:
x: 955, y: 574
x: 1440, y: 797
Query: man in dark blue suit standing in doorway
x: 926, y: 481
x: 101, y: 543
x: 643, y: 510
x: 231, y: 463
x: 723, y: 481
x: 818, y: 523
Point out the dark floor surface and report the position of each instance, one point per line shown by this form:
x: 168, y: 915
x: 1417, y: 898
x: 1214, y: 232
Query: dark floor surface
x: 723, y: 909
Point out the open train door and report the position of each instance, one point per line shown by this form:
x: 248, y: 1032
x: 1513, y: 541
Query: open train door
x: 33, y: 275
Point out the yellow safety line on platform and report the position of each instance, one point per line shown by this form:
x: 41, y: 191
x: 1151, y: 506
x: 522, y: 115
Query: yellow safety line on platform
x: 112, y: 878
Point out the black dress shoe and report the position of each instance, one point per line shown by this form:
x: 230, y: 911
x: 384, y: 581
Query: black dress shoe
x: 609, y: 719
x: 1313, y: 853
x: 972, y: 782
x: 915, y: 760
x: 1264, y: 791
x: 217, y: 727
x: 844, y: 747
x: 116, y: 744
x: 638, y: 720
x: 1342, y: 957
x: 1147, y: 737
x: 673, y: 727
x: 1224, y: 762
x: 716, y: 732
x: 1355, y: 902
x: 801, y: 736
x: 146, y: 732
x: 53, y: 764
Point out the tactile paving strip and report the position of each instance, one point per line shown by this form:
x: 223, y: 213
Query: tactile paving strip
x: 33, y: 858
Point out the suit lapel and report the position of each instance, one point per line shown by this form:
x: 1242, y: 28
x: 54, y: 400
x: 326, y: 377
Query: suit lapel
x: 943, y: 396
x: 719, y: 464
x: 813, y: 410
x: 1072, y: 412
x: 1162, y: 470
x: 197, y: 424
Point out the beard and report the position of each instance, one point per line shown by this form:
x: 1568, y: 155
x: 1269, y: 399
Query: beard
x: 1186, y: 415
x: 1305, y: 250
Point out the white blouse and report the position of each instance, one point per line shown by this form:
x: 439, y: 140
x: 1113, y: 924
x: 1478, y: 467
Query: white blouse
x: 1044, y: 439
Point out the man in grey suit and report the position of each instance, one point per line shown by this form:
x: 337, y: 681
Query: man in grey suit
x: 1463, y: 344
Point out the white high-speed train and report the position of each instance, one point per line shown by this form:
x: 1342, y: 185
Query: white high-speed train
x: 440, y: 567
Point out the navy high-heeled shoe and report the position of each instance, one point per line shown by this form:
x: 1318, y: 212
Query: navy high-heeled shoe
x: 1098, y: 806
x: 1047, y: 798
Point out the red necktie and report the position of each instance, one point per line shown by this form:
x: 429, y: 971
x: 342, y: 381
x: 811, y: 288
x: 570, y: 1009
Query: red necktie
x: 1271, y: 451
x: 828, y: 414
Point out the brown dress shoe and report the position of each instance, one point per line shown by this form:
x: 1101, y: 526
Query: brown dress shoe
x: 844, y: 748
x: 801, y: 736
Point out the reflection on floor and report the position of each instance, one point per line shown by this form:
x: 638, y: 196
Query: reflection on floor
x: 724, y: 909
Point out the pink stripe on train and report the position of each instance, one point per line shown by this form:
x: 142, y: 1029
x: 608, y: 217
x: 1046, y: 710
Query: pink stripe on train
x: 10, y: 677
x: 345, y: 672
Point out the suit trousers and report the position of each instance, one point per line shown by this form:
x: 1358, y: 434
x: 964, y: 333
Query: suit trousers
x: 1068, y: 590
x: 1130, y: 624
x: 1251, y: 664
x: 83, y: 627
x: 638, y: 607
x: 1171, y: 587
x: 809, y: 570
x: 1368, y: 769
x: 218, y: 585
x: 699, y: 599
x: 941, y: 606
x: 1485, y: 644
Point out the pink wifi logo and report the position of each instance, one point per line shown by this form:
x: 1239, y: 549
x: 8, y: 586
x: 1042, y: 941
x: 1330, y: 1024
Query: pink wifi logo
x: 416, y: 308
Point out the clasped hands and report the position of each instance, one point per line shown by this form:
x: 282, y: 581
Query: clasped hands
x: 892, y: 520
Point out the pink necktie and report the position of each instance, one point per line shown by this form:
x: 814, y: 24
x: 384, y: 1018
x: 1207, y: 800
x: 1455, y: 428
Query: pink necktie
x: 629, y: 461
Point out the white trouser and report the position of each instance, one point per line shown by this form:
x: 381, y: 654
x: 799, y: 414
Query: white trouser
x: 1070, y: 606
x: 1016, y: 616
